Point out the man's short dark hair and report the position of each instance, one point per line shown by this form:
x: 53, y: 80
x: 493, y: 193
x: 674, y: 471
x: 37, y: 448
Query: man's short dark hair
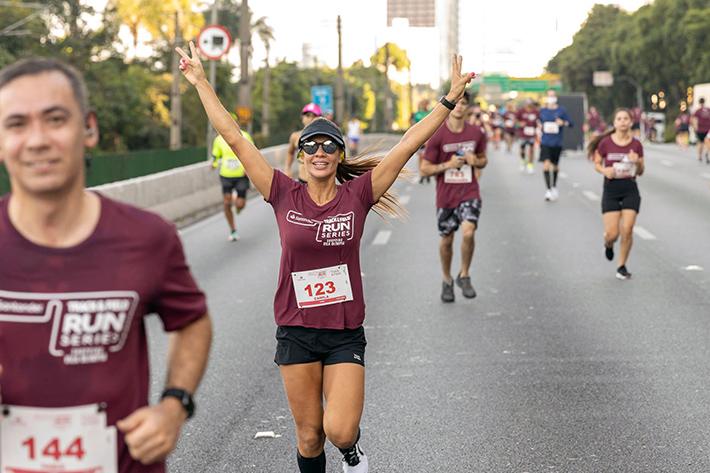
x: 702, y: 100
x: 466, y: 96
x: 38, y: 65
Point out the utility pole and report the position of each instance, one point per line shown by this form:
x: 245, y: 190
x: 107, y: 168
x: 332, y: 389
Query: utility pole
x: 339, y: 101
x: 244, y: 55
x: 211, y: 133
x: 175, y: 98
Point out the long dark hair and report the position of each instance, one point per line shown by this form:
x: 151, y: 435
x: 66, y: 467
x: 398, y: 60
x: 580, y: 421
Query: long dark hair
x: 351, y: 167
x: 594, y: 143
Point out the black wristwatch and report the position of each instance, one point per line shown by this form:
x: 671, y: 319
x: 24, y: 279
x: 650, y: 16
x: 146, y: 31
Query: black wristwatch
x: 184, y: 397
x: 446, y: 103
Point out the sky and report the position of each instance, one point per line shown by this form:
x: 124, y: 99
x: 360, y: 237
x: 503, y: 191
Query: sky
x: 517, y: 37
x: 514, y: 37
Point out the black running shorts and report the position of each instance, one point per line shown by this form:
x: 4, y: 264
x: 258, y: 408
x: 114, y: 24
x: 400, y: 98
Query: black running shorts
x: 241, y: 184
x: 621, y: 194
x: 701, y: 136
x: 296, y: 345
x: 550, y: 153
x: 450, y: 219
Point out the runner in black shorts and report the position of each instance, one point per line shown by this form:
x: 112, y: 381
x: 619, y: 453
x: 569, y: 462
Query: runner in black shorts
x: 240, y: 185
x: 619, y: 156
x: 319, y: 303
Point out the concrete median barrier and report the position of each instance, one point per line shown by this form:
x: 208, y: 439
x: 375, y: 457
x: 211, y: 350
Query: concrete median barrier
x: 189, y: 193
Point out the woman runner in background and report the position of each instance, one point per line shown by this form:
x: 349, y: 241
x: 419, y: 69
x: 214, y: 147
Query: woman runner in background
x: 619, y: 156
x: 319, y: 305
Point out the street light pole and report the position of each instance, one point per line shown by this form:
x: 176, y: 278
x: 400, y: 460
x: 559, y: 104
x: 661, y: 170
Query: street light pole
x: 245, y: 54
x: 175, y: 98
x: 211, y: 134
x: 339, y: 101
x: 639, y: 100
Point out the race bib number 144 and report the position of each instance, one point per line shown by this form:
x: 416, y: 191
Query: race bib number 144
x: 62, y: 440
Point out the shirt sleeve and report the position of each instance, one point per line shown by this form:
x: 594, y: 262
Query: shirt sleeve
x: 638, y: 147
x: 277, y: 188
x: 431, y: 150
x: 601, y: 149
x: 361, y: 186
x: 482, y: 144
x: 566, y: 117
x: 179, y: 300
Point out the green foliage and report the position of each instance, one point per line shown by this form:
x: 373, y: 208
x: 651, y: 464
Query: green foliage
x: 131, y: 96
x: 662, y: 46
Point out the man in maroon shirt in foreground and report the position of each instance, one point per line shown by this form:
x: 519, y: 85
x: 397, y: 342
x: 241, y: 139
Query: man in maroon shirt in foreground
x: 78, y: 274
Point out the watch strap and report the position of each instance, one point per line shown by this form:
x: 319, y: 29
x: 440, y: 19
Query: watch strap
x: 183, y: 396
x: 446, y: 103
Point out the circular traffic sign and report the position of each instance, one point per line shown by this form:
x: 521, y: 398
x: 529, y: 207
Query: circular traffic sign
x: 214, y: 42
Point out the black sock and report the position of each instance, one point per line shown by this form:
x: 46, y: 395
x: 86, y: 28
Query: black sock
x: 311, y: 465
x: 547, y: 177
x: 345, y: 450
x: 554, y: 178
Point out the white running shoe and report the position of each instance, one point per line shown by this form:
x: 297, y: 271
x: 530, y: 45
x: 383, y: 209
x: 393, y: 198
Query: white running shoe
x: 555, y: 194
x: 548, y: 195
x: 522, y: 167
x: 355, y: 461
x: 530, y: 168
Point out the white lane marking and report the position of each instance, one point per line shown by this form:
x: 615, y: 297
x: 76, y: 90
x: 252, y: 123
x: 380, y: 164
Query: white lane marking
x: 666, y: 163
x: 563, y: 175
x: 591, y: 195
x: 693, y: 267
x: 404, y: 200
x: 382, y: 237
x: 575, y: 184
x: 643, y: 233
x: 705, y: 175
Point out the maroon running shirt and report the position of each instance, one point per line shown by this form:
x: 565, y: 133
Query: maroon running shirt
x: 509, y: 121
x: 529, y: 119
x: 314, y: 238
x: 593, y: 118
x: 439, y: 149
x: 703, y: 116
x: 71, y: 319
x: 612, y: 153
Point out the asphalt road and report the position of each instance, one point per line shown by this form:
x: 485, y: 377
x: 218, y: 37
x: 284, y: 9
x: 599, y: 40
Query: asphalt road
x: 556, y: 366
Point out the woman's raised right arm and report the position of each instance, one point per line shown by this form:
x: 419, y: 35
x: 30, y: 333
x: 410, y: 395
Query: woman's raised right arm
x: 257, y: 167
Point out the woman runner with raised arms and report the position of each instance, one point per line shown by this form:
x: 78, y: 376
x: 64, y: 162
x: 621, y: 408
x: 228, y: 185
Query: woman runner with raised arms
x: 319, y: 305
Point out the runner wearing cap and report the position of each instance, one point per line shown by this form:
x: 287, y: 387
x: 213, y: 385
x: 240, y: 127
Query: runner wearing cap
x: 319, y: 305
x: 527, y: 119
x: 618, y: 155
x: 233, y: 179
x: 554, y: 119
x: 79, y: 273
x: 308, y: 114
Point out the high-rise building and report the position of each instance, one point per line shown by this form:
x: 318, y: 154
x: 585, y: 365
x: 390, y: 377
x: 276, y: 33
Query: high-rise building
x: 440, y: 14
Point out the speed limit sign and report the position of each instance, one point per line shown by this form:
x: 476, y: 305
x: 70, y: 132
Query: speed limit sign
x: 214, y: 42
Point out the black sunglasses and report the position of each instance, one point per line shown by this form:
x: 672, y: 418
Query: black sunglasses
x: 311, y: 147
